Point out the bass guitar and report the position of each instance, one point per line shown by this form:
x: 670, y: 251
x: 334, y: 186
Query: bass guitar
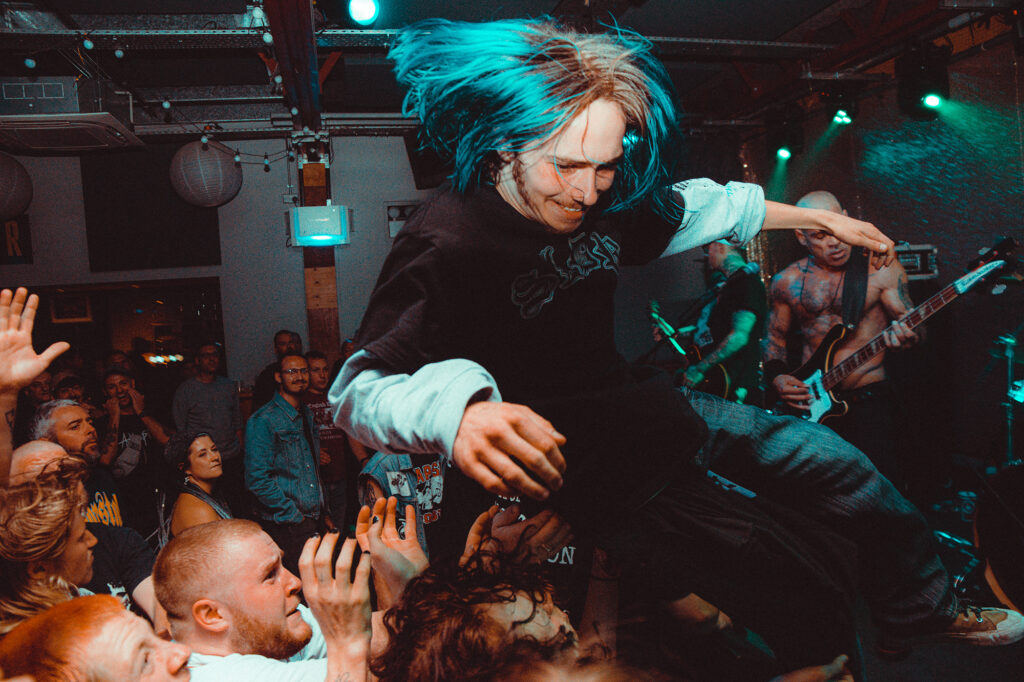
x: 822, y: 377
x: 716, y: 381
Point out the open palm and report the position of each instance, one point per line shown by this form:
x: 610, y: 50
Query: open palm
x: 19, y: 363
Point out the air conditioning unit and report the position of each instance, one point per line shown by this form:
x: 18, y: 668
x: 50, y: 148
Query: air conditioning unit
x: 62, y: 115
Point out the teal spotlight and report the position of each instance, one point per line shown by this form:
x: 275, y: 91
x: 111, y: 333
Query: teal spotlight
x: 783, y: 153
x: 363, y: 12
x: 842, y: 117
x: 931, y: 100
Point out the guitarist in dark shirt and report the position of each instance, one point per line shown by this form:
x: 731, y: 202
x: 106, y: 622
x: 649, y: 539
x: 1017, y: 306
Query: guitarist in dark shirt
x: 730, y: 327
x: 807, y: 297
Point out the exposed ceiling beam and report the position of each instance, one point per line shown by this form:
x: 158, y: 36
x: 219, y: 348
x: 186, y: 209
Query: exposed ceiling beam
x: 252, y: 38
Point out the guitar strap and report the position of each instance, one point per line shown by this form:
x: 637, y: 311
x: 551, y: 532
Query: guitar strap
x: 855, y: 287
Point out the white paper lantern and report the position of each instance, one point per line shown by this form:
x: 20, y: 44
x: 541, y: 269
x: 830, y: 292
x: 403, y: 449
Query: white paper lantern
x: 205, y: 177
x: 15, y: 187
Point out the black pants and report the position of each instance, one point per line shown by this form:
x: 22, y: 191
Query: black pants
x: 870, y: 426
x: 291, y: 538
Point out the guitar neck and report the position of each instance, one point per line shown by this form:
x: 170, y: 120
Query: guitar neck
x: 876, y: 345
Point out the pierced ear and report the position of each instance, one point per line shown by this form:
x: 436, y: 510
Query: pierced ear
x: 211, y: 616
x: 506, y: 157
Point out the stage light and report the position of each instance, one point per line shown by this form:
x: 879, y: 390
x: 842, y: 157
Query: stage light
x: 238, y: 159
x: 88, y: 44
x: 166, y: 104
x: 363, y: 12
x: 268, y: 38
x: 30, y: 63
x: 784, y: 134
x: 119, y: 52
x: 266, y: 163
x: 923, y: 80
x: 842, y: 117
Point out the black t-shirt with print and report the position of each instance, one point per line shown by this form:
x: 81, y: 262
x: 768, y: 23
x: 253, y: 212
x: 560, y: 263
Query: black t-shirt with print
x: 121, y: 560
x: 469, y: 277
x: 742, y: 291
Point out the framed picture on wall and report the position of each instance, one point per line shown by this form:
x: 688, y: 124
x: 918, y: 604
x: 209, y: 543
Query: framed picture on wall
x: 70, y: 308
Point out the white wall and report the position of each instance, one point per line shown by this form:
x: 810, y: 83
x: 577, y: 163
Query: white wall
x: 262, y: 284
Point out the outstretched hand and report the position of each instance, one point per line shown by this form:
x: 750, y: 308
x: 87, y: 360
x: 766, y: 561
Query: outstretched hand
x: 496, y: 441
x: 386, y: 511
x: 341, y: 605
x: 19, y: 363
x: 395, y: 560
x: 860, y: 233
x: 533, y: 540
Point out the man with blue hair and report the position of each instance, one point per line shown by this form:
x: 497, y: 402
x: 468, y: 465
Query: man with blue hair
x: 493, y: 314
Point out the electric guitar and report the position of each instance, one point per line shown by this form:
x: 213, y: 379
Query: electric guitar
x: 716, y: 381
x: 822, y: 377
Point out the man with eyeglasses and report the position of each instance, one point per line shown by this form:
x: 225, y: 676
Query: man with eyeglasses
x: 208, y: 402
x: 282, y: 446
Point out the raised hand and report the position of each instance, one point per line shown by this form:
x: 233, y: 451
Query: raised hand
x: 341, y: 605
x: 138, y: 401
x: 496, y: 440
x: 386, y: 510
x: 19, y: 363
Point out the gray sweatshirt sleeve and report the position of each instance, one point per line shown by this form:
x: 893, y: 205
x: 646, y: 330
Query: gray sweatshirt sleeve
x: 734, y: 211
x: 417, y: 413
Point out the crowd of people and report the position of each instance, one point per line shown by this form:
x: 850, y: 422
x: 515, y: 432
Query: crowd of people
x: 485, y: 489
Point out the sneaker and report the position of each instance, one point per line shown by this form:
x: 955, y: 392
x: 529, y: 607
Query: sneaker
x: 983, y: 626
x: 980, y: 626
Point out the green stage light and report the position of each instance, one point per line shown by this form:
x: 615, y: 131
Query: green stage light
x: 363, y: 12
x: 842, y: 117
x: 783, y: 153
x: 931, y: 100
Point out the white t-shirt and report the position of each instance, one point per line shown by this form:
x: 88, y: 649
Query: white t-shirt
x: 309, y: 664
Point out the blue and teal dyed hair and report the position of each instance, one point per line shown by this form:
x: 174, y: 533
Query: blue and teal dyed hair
x: 506, y: 86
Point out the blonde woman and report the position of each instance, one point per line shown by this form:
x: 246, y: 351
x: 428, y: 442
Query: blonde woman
x: 45, y: 547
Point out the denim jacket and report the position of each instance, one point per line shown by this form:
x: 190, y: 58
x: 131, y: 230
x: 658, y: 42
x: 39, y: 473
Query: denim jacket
x: 279, y: 468
x: 417, y: 480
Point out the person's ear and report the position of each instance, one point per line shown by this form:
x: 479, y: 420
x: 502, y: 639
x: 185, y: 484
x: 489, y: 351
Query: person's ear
x: 800, y: 237
x: 38, y: 570
x: 211, y: 616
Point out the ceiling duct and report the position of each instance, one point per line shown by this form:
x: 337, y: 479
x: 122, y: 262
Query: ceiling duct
x: 62, y: 115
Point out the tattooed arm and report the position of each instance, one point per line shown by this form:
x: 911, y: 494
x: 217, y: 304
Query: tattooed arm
x: 895, y: 299
x: 742, y: 326
x: 19, y: 363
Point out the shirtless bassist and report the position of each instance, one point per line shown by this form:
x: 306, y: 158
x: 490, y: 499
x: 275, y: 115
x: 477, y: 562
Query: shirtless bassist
x: 807, y: 297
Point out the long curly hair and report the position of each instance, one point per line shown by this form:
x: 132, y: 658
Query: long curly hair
x: 35, y: 524
x: 441, y: 628
x: 504, y: 87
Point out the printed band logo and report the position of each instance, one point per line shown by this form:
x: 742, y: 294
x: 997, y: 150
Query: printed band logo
x: 104, y: 509
x: 588, y: 253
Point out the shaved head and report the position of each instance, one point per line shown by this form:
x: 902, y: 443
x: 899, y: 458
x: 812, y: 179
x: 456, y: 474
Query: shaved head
x: 28, y: 461
x: 821, y: 199
x: 196, y: 565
